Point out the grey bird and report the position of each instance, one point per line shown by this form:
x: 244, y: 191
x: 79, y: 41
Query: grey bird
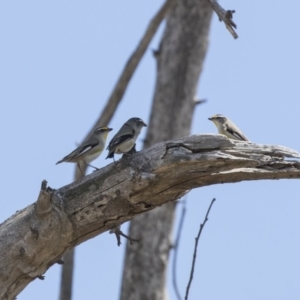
x: 125, y: 138
x: 89, y: 150
x: 228, y: 128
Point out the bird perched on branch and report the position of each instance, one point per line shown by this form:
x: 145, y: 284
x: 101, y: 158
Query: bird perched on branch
x: 228, y: 128
x: 89, y: 150
x: 125, y: 138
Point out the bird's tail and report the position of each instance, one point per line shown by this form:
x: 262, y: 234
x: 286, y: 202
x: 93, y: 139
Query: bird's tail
x: 110, y: 155
x: 60, y: 161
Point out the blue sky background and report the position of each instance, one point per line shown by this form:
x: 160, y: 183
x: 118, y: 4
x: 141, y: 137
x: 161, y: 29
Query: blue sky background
x: 59, y: 61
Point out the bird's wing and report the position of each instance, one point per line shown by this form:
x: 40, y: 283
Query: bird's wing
x: 92, y: 143
x: 119, y: 140
x: 80, y: 150
x: 238, y: 134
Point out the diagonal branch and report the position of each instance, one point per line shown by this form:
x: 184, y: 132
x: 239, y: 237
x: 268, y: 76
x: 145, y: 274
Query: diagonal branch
x: 127, y: 73
x: 36, y: 237
x: 105, y: 117
x: 225, y: 16
x: 132, y: 64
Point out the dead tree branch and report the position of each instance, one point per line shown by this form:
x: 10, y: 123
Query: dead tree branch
x: 225, y: 16
x: 195, y: 250
x: 37, y: 236
x: 118, y: 232
x: 128, y: 71
x: 131, y: 65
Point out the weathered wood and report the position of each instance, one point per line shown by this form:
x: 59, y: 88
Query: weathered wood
x: 36, y: 237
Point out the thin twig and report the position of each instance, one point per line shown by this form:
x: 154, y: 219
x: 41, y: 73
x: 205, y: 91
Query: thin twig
x: 118, y: 232
x: 176, y: 246
x: 195, y: 250
x: 199, y: 101
x: 225, y: 16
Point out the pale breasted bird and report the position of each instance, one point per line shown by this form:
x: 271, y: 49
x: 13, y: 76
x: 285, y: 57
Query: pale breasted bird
x: 89, y: 150
x: 228, y: 128
x: 125, y: 138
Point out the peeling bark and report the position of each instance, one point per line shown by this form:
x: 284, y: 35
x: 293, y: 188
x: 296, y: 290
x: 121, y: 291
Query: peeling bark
x: 36, y: 237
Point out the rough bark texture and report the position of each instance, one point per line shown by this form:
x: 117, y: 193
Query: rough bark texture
x: 179, y: 63
x: 36, y: 237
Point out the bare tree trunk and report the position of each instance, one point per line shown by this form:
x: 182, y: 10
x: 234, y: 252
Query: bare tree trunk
x: 179, y: 63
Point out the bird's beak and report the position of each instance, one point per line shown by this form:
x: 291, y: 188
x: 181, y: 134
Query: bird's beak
x: 210, y: 119
x: 145, y: 125
x: 109, y: 129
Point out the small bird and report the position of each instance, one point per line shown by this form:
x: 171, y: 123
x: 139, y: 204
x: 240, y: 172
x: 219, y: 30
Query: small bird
x: 89, y: 150
x: 228, y: 128
x: 124, y: 139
